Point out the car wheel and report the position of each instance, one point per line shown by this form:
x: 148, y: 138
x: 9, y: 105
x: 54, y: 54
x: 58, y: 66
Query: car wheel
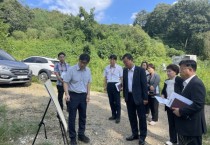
x: 43, y: 77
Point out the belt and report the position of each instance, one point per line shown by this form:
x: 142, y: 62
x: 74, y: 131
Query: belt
x: 77, y: 93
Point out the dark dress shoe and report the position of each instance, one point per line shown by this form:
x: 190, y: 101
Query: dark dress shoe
x: 83, y: 138
x: 141, y: 142
x: 117, y: 120
x: 132, y: 137
x: 112, y: 118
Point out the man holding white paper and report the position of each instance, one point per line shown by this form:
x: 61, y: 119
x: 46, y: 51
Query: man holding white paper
x: 112, y: 84
x: 190, y: 121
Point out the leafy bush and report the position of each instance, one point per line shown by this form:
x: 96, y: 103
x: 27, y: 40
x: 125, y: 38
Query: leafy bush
x: 19, y: 35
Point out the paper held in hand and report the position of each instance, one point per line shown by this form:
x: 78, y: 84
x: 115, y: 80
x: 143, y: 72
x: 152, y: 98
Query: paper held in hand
x: 175, y: 100
x: 118, y: 86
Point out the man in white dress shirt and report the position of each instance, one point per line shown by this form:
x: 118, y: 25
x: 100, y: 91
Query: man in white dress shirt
x: 113, y: 74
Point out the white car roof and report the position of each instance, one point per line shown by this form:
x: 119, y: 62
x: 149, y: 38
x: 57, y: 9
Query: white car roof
x: 45, y: 58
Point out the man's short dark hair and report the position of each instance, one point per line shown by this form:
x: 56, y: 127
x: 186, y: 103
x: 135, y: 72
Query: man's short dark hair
x: 189, y: 63
x: 84, y: 57
x: 174, y: 68
x: 128, y: 56
x: 151, y: 66
x: 113, y: 56
x: 61, y: 53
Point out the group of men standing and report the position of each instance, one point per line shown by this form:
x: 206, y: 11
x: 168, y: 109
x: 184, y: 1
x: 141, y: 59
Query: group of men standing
x: 76, y: 83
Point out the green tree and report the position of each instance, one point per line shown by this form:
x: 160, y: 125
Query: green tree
x: 32, y: 33
x: 3, y: 34
x: 200, y: 45
x: 141, y: 18
x: 185, y: 19
x: 19, y: 35
x: 16, y: 15
x: 49, y: 33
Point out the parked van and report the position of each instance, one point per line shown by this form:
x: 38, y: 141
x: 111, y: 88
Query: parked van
x: 13, y: 71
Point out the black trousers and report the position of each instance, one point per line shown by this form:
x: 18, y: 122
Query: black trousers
x: 134, y: 111
x: 190, y: 140
x: 77, y: 102
x: 114, y: 100
x: 60, y: 96
x: 171, y: 123
x: 153, y: 106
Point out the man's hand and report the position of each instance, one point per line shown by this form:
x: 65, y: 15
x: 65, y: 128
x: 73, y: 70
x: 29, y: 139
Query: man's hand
x: 151, y: 88
x: 176, y: 111
x: 145, y: 102
x: 88, y: 98
x: 67, y: 97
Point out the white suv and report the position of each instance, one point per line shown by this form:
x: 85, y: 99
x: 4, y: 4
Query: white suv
x: 43, y: 67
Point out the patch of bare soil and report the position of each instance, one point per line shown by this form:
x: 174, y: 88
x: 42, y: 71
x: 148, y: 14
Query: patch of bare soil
x: 27, y: 104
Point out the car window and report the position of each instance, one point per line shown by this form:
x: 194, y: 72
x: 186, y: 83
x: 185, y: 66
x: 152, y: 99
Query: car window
x: 41, y: 60
x: 54, y: 61
x: 30, y: 60
x: 5, y: 56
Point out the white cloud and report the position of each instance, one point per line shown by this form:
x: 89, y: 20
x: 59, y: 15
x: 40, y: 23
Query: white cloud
x: 174, y: 2
x: 99, y: 16
x: 133, y: 16
x: 72, y: 6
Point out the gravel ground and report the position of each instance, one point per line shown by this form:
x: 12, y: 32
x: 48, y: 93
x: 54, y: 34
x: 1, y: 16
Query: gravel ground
x: 27, y: 104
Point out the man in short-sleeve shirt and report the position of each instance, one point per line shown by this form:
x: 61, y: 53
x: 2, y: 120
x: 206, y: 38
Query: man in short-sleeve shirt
x: 77, y: 92
x: 60, y: 69
x: 113, y: 74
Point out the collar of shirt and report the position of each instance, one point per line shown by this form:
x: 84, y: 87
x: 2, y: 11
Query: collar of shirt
x: 62, y: 62
x: 78, y: 68
x: 132, y: 69
x: 113, y: 66
x: 170, y: 81
x: 187, y: 81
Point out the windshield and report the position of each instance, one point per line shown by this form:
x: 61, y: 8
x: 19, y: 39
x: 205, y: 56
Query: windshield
x: 5, y: 56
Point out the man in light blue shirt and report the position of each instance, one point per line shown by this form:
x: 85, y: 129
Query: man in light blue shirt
x: 77, y: 92
x: 113, y: 74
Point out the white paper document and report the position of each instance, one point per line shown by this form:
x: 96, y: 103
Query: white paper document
x: 162, y: 100
x: 118, y: 86
x: 175, y: 100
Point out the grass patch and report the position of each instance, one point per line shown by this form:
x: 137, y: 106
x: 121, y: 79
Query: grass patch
x: 11, y: 130
x: 35, y: 79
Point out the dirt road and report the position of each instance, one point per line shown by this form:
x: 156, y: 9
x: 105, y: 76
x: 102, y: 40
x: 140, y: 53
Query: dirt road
x: 27, y: 104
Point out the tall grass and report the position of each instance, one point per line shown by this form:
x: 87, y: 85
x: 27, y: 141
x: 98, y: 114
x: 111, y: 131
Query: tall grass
x: 11, y: 130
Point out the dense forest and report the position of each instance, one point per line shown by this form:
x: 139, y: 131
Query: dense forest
x: 185, y: 25
x: 181, y: 28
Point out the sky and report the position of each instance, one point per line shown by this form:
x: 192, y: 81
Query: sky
x: 106, y: 11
